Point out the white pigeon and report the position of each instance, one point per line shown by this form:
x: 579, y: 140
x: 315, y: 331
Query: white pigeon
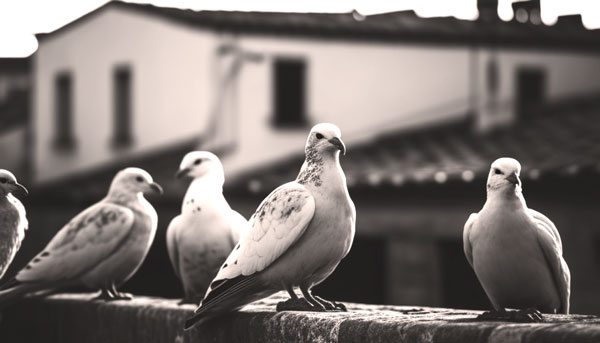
x: 13, y: 221
x: 296, y: 237
x: 516, y: 252
x: 202, y: 236
x: 101, y: 248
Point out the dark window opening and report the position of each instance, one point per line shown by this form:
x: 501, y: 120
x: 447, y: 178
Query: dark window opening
x: 460, y: 286
x: 122, y: 116
x: 289, y: 93
x: 531, y: 87
x: 493, y: 78
x: 63, y: 125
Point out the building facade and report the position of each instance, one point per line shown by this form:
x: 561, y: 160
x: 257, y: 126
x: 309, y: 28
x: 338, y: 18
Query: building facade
x: 425, y: 105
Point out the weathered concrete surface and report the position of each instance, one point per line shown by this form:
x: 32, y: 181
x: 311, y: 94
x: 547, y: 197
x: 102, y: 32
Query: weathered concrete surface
x: 69, y: 318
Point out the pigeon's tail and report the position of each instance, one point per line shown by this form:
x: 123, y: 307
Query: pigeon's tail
x: 228, y: 296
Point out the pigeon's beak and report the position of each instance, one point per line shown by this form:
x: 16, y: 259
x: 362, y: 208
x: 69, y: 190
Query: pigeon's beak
x: 22, y: 188
x: 156, y: 188
x: 336, y: 142
x: 513, y: 178
x: 182, y: 172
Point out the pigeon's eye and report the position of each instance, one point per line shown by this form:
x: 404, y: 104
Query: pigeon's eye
x: 197, y: 162
x: 3, y: 180
x: 319, y: 136
x: 497, y: 171
x: 139, y: 179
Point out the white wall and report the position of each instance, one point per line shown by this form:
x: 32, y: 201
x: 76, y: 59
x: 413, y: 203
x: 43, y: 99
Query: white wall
x: 170, y: 86
x: 567, y: 74
x: 365, y: 88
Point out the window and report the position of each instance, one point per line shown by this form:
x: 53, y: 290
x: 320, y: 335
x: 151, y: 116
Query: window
x: 531, y: 86
x: 122, y: 107
x: 63, y: 112
x: 289, y: 93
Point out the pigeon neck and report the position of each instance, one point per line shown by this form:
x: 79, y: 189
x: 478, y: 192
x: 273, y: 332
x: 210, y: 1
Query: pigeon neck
x: 507, y: 195
x: 122, y: 197
x: 208, y: 181
x: 319, y: 169
x: 314, y: 166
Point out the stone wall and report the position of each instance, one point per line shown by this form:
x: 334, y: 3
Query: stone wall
x: 70, y: 318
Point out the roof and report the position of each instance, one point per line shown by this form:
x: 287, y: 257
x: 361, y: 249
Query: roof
x: 404, y: 26
x: 558, y: 140
x: 91, y: 185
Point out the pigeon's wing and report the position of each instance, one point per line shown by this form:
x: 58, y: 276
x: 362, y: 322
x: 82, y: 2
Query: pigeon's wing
x: 549, y: 241
x: 278, y: 222
x: 239, y: 225
x: 466, y: 241
x: 541, y: 219
x: 80, y: 245
x: 172, y: 246
x: 23, y: 223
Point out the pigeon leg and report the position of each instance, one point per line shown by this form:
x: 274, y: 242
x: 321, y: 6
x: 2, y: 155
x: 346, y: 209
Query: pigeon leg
x: 294, y: 303
x: 331, y: 305
x: 309, y: 297
x: 119, y: 296
x: 104, y: 295
x: 290, y: 290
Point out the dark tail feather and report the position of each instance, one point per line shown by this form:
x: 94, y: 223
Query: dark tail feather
x: 10, y: 295
x: 12, y: 282
x: 228, y: 296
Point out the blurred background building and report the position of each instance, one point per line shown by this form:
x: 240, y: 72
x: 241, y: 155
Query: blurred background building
x: 425, y: 105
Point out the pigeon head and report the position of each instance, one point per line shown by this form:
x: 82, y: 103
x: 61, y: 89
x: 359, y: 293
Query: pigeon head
x: 198, y: 164
x: 8, y: 183
x: 134, y: 181
x: 504, y: 174
x: 325, y: 138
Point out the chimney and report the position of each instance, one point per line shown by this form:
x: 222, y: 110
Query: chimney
x: 527, y: 12
x: 488, y: 10
x: 571, y: 21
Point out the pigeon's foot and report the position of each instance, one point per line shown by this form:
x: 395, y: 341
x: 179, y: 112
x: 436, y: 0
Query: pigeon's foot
x: 298, y: 304
x: 116, y: 295
x: 529, y: 315
x: 121, y: 296
x: 331, y: 306
x: 104, y: 295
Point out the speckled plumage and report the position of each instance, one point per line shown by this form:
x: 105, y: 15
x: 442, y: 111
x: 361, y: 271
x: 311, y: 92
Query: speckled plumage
x: 13, y: 223
x: 297, y: 236
x: 101, y: 247
x: 311, y: 172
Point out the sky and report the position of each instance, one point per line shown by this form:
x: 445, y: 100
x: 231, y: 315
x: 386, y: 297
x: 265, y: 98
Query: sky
x: 20, y: 20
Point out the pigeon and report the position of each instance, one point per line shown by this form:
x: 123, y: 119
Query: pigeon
x: 516, y: 252
x: 100, y: 248
x: 296, y: 238
x: 202, y: 236
x: 13, y: 221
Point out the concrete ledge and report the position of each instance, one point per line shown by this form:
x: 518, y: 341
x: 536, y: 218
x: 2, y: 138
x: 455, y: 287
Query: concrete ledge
x: 69, y: 318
